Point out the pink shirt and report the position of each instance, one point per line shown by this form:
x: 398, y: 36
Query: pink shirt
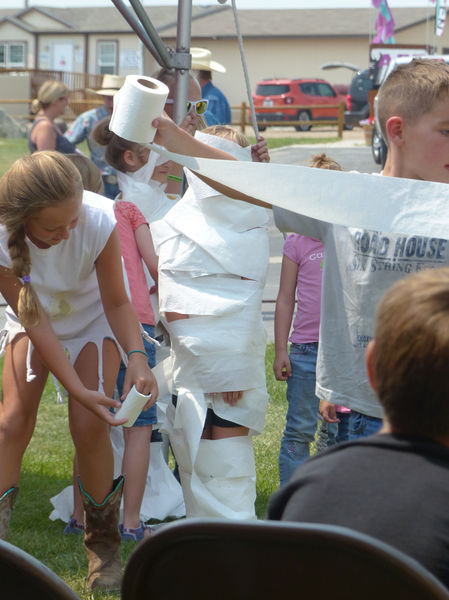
x: 129, y: 218
x: 308, y: 254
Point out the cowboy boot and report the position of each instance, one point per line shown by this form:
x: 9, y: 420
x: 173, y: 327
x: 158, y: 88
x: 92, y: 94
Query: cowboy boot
x: 102, y: 538
x: 6, y: 506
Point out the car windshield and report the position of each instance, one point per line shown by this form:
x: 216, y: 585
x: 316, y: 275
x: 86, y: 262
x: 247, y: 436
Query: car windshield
x: 272, y: 89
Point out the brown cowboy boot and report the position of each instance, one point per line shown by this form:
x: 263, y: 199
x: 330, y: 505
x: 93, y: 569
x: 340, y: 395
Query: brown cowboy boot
x: 6, y: 506
x: 102, y: 538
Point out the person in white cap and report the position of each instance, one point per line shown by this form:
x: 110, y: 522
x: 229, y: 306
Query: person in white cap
x: 218, y: 111
x: 83, y: 126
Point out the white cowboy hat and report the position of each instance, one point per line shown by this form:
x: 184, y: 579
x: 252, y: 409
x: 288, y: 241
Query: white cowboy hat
x: 201, y: 60
x: 109, y: 86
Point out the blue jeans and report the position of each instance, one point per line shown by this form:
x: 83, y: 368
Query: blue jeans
x: 362, y: 425
x: 146, y: 417
x: 110, y: 190
x: 343, y: 427
x: 302, y: 412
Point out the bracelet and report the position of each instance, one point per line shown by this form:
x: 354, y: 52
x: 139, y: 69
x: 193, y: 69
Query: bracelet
x: 139, y: 351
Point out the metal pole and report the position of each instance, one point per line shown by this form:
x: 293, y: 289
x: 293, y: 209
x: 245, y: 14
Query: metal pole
x: 165, y: 59
x: 137, y: 27
x: 182, y: 48
x: 245, y: 71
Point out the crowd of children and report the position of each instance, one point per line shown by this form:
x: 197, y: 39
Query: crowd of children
x: 76, y: 270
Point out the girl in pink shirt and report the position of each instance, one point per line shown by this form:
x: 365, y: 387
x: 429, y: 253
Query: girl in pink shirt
x: 301, y: 274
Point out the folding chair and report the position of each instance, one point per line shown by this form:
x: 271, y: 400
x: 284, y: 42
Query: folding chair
x: 228, y: 560
x: 23, y: 577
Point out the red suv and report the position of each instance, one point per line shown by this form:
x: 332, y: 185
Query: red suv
x: 283, y: 93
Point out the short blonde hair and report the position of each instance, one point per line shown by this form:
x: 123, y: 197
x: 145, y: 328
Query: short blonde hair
x: 225, y: 131
x: 49, y: 91
x: 412, y: 90
x: 34, y: 182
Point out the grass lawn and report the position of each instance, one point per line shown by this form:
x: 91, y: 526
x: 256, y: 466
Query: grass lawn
x: 47, y: 468
x: 13, y: 148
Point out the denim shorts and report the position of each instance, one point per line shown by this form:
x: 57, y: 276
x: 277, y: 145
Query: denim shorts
x: 146, y: 417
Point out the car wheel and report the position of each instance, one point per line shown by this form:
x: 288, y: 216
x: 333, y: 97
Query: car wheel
x: 378, y: 148
x: 303, y: 115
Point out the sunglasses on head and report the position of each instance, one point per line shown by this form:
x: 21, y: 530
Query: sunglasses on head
x: 200, y: 105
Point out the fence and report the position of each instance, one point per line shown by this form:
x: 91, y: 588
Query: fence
x: 80, y: 100
x: 77, y: 83
x: 245, y: 118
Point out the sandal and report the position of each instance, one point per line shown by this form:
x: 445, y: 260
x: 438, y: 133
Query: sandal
x: 73, y: 526
x: 135, y: 534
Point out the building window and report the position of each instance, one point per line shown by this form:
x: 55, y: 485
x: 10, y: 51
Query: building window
x: 12, y: 55
x: 107, y: 57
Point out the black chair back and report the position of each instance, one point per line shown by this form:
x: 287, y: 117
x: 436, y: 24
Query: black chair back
x: 23, y: 577
x: 227, y: 560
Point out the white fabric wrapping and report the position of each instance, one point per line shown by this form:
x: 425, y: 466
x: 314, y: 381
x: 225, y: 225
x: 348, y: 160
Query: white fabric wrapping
x: 387, y: 204
x: 213, y: 255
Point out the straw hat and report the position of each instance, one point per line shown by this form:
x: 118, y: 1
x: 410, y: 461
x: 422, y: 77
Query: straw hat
x: 201, y: 60
x: 109, y: 86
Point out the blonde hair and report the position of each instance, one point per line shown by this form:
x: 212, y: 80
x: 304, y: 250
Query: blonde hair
x: 90, y: 173
x: 225, y: 131
x: 116, y: 146
x: 49, y: 91
x: 34, y: 182
x: 322, y: 161
x: 412, y: 90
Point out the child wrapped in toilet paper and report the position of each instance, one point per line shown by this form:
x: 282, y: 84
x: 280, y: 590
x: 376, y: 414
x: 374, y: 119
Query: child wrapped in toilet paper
x: 213, y: 255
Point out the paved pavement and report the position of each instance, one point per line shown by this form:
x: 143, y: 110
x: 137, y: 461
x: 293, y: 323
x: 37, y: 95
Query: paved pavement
x: 351, y: 152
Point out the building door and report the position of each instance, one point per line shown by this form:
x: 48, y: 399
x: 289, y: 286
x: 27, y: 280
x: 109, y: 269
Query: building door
x: 62, y: 56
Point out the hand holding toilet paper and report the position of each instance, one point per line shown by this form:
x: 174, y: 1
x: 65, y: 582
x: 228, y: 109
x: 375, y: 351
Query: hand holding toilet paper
x: 138, y: 102
x: 132, y: 406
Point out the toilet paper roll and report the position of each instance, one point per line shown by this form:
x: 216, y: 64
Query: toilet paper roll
x: 132, y: 406
x: 136, y: 105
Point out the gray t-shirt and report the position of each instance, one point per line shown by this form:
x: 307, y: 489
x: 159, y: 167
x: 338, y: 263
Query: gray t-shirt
x: 359, y: 267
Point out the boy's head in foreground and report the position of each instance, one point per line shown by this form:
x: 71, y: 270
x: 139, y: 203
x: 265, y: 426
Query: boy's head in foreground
x: 408, y: 359
x: 413, y: 109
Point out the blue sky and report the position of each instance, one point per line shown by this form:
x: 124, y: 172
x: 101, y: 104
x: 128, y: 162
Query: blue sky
x: 240, y: 3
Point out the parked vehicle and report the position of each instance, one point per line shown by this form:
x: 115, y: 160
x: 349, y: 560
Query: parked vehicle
x: 285, y: 93
x: 357, y: 104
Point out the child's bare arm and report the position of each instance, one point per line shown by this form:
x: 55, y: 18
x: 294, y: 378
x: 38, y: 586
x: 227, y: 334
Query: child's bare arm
x: 285, y: 305
x: 177, y: 140
x: 123, y: 318
x: 52, y: 353
x: 145, y: 245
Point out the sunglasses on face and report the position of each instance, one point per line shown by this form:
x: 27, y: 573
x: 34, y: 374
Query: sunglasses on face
x: 200, y: 105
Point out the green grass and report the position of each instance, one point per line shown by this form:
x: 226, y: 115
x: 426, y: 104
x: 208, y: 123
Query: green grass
x: 290, y: 141
x: 13, y: 148
x: 47, y: 469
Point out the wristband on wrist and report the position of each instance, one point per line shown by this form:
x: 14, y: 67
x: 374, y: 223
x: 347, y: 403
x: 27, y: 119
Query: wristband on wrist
x: 139, y: 351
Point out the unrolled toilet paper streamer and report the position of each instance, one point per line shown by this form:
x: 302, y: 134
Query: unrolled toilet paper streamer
x: 388, y: 204
x: 136, y: 105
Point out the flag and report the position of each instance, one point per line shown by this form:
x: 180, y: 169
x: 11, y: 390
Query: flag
x: 384, y: 23
x: 440, y: 16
